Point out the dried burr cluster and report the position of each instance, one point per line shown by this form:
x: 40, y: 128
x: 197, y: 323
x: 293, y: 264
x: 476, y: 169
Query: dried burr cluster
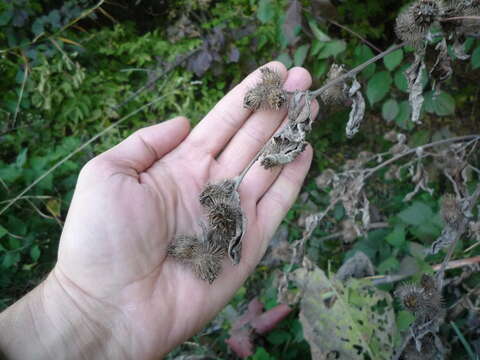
x: 419, y: 25
x: 221, y: 235
x: 424, y: 301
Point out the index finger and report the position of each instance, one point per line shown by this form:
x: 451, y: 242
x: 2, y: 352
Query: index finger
x: 223, y: 121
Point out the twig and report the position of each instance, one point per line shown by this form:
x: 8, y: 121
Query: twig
x: 356, y: 70
x: 362, y: 39
x: 454, y: 264
x: 22, y: 89
x: 460, y: 18
x: 414, y: 150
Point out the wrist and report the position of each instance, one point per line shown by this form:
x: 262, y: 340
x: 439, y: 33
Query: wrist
x: 56, y: 321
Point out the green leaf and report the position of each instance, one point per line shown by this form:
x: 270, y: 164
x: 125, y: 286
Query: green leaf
x: 390, y: 264
x: 5, y: 17
x: 285, y: 59
x: 319, y: 68
x: 404, y: 320
x: 403, y: 117
x: 397, y: 237
x: 416, y: 214
x: 300, y: 55
x: 476, y: 58
x: 331, y: 311
x: 378, y: 86
x: 35, y: 253
x: 262, y: 354
x: 3, y: 231
x: 332, y: 48
x: 390, y: 109
x: 10, y: 259
x: 266, y: 11
x: 21, y: 158
x: 361, y: 54
x: 394, y: 59
x: 443, y: 104
x: 319, y: 34
x: 400, y: 79
x: 278, y: 337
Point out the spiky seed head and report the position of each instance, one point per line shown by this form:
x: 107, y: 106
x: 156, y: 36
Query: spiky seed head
x: 412, y: 297
x: 217, y: 193
x: 183, y: 247
x: 276, y: 98
x: 271, y: 77
x: 334, y: 94
x: 413, y: 23
x: 222, y: 218
x: 451, y: 210
x: 254, y: 98
x: 207, y: 261
x: 267, y: 94
x: 425, y: 12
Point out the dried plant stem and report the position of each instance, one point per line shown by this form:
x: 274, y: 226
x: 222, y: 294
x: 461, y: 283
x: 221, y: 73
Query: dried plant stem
x: 362, y: 39
x: 22, y: 89
x: 239, y: 178
x: 455, y: 18
x: 454, y: 264
x: 76, y: 151
x: 414, y: 150
x: 356, y: 70
x: 380, y: 225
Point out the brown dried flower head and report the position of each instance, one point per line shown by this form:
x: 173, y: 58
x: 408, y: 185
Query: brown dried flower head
x: 183, y: 247
x: 412, y: 297
x: 451, y: 210
x: 413, y: 23
x: 217, y: 193
x: 267, y: 94
x: 203, y: 256
x: 207, y: 262
x: 335, y: 94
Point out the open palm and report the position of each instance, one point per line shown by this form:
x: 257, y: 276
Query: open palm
x: 132, y: 200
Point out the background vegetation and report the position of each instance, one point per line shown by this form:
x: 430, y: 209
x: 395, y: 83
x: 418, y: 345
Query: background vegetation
x: 70, y: 69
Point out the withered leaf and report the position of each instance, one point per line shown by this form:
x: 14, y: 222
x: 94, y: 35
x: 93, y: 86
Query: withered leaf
x: 442, y: 69
x: 415, y: 86
x: 345, y: 319
x: 357, y: 112
x: 357, y: 266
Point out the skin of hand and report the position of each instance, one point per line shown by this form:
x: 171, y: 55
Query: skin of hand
x: 113, y: 291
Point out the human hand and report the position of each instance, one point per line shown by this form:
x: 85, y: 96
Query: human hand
x: 132, y: 200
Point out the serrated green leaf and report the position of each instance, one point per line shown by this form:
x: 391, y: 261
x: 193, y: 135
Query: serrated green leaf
x: 476, y: 58
x: 394, y: 59
x: 265, y: 11
x: 21, y: 158
x: 416, y: 214
x: 3, y: 231
x: 390, y: 264
x: 400, y: 79
x: 35, y: 253
x: 300, y: 55
x: 403, y: 117
x: 361, y: 54
x: 332, y: 48
x: 319, y: 34
x: 378, y: 86
x: 404, y: 320
x: 390, y: 109
x: 285, y: 59
x: 397, y: 237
